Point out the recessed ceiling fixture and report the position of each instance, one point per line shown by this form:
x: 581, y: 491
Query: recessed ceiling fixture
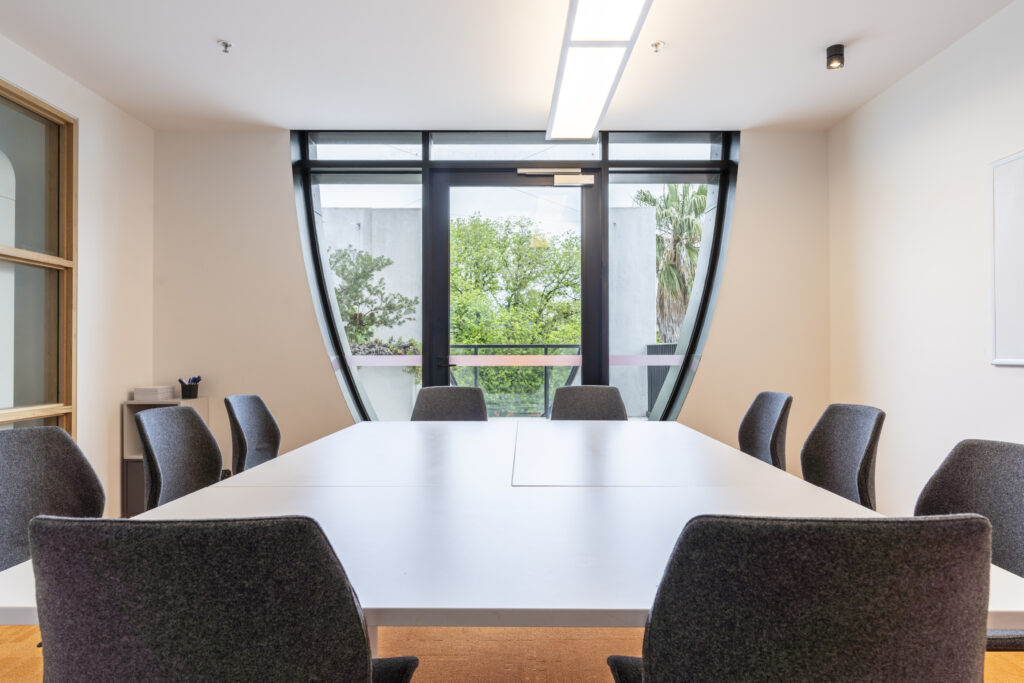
x: 835, y: 57
x: 599, y: 36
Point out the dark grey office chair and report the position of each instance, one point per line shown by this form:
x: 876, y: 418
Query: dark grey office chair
x: 242, y: 599
x: 819, y: 599
x: 179, y: 453
x: 255, y: 436
x: 986, y: 478
x: 42, y: 472
x: 839, y: 453
x: 450, y: 403
x: 588, y: 402
x: 763, y: 428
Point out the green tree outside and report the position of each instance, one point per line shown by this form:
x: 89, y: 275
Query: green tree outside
x: 679, y: 217
x: 512, y: 285
x: 364, y: 302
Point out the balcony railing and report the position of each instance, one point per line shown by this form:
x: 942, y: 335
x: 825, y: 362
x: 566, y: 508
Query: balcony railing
x: 519, y: 379
x: 517, y: 362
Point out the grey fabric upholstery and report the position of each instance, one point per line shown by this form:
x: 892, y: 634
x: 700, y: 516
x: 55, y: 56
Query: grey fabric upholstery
x: 450, y: 403
x: 818, y: 599
x: 763, y: 429
x: 839, y: 453
x: 255, y: 436
x: 231, y: 600
x: 42, y: 472
x: 180, y: 454
x: 987, y: 478
x: 588, y: 402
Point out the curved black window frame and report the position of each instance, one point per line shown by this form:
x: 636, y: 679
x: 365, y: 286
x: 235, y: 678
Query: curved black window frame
x: 696, y: 324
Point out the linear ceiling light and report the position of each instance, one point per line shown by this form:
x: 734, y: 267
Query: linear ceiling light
x: 599, y: 36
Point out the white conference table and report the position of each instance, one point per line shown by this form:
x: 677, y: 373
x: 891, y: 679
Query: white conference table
x: 508, y: 523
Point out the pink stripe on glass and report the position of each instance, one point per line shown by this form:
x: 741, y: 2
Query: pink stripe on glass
x: 385, y: 361
x: 513, y: 361
x: 497, y: 361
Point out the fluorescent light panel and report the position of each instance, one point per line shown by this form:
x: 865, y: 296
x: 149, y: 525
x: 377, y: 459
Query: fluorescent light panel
x: 599, y: 37
x: 606, y: 20
x: 587, y: 79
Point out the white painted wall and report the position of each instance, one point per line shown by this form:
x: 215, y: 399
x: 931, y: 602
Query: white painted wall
x: 910, y: 227
x: 770, y: 328
x: 232, y: 300
x: 115, y: 255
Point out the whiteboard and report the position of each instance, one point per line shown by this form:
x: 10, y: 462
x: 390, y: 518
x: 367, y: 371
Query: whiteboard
x: 1008, y: 261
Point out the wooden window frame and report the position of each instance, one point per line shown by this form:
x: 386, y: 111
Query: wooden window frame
x: 64, y: 263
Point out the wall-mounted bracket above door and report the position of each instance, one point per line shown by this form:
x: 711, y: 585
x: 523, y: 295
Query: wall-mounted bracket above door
x: 570, y: 177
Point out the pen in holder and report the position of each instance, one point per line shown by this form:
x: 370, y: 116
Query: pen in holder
x: 190, y: 389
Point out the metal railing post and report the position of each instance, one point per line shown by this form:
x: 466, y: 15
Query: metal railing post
x: 547, y: 383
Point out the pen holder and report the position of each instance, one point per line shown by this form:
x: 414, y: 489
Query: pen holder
x: 189, y: 390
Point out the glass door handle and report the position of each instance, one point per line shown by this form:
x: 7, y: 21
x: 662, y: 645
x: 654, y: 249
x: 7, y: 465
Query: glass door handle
x: 442, y: 364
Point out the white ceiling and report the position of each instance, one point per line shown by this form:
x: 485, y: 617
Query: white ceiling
x: 478, y: 64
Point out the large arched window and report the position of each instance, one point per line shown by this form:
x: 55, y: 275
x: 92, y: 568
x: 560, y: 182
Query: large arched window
x: 513, y: 263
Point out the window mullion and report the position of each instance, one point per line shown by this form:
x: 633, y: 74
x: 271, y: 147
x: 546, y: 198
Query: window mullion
x: 34, y: 258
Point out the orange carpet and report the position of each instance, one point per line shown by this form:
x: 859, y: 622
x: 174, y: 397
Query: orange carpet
x: 527, y: 655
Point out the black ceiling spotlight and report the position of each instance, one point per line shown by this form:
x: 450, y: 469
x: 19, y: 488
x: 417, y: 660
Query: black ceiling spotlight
x: 835, y: 57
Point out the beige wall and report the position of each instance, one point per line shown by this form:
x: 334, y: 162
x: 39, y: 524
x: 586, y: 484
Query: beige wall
x: 232, y: 299
x: 910, y: 232
x: 115, y: 255
x: 770, y: 327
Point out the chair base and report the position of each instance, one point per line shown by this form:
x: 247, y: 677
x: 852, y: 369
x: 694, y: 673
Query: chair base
x: 626, y: 669
x: 394, y: 669
x: 1005, y: 641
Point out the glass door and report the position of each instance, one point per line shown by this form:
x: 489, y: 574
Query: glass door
x: 514, y: 322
